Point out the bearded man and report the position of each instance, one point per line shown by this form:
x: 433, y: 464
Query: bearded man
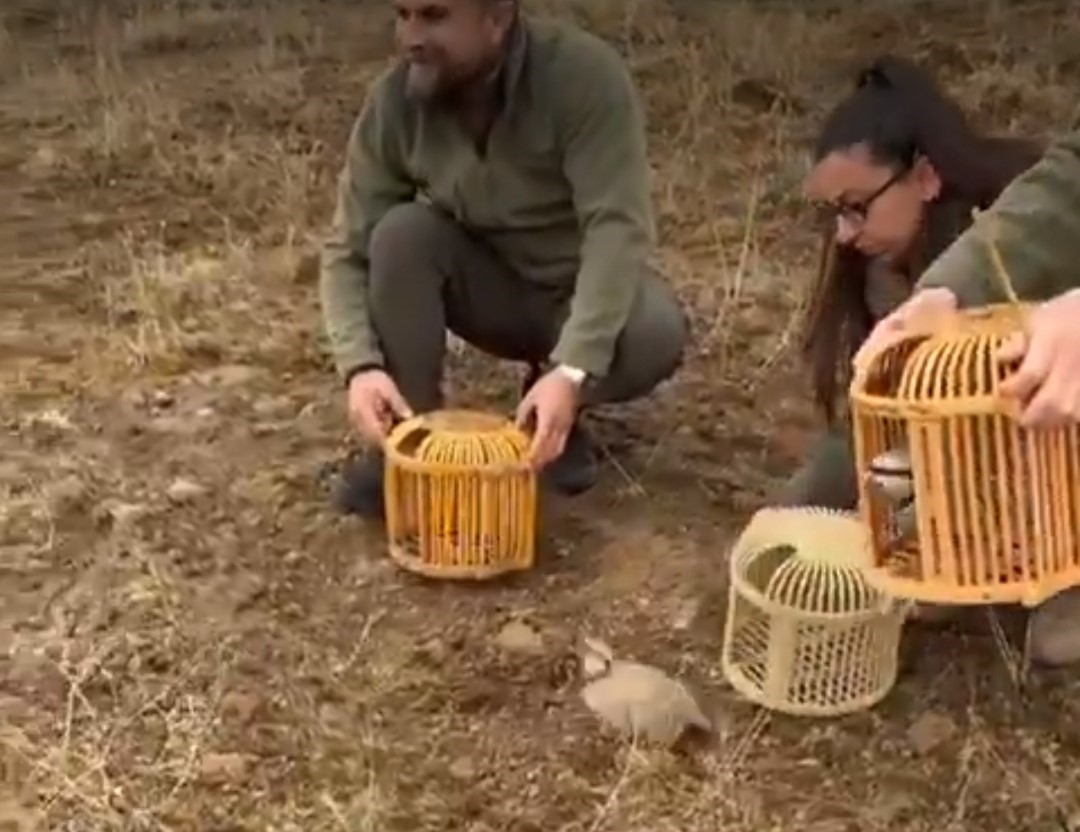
x: 496, y: 184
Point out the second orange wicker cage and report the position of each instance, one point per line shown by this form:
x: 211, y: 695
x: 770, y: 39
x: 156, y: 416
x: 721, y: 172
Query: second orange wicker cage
x: 994, y: 514
x: 461, y: 502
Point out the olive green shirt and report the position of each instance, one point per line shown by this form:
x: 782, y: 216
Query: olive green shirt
x: 1037, y: 230
x: 561, y: 192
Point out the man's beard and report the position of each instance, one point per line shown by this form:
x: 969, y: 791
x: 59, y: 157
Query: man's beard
x: 423, y: 82
x: 428, y: 83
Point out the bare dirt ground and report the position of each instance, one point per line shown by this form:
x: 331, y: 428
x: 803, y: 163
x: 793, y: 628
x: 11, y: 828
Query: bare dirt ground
x: 192, y: 640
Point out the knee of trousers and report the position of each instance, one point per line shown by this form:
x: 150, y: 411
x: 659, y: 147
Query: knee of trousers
x: 405, y: 250
x: 660, y: 334
x: 651, y: 347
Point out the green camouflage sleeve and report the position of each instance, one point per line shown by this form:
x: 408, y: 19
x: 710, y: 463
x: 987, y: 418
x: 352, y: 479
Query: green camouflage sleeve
x: 372, y: 181
x: 1036, y: 227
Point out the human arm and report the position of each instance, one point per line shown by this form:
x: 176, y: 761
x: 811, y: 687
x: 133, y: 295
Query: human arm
x: 1036, y: 228
x: 372, y: 180
x: 601, y: 125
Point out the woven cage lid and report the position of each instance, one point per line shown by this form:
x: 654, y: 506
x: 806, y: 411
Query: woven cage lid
x: 951, y: 358
x: 810, y: 560
x: 459, y: 438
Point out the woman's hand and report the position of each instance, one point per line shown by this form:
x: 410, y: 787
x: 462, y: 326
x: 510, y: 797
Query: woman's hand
x: 921, y: 311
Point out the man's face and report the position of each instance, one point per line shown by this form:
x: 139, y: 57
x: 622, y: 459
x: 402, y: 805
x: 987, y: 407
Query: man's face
x: 449, y: 43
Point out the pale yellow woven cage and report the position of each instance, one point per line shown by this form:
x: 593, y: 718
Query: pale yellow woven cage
x: 461, y: 501
x: 805, y: 633
x: 996, y: 506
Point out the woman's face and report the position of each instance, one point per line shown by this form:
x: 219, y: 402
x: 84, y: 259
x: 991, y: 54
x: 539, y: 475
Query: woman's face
x: 877, y: 210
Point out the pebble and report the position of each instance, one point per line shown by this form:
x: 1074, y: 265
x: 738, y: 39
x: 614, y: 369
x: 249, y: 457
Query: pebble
x: 67, y: 494
x: 519, y: 637
x: 225, y: 767
x: 239, y: 705
x: 184, y: 490
x: 930, y: 731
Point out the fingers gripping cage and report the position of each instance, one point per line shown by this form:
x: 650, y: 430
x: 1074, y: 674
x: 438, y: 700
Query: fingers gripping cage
x: 995, y: 508
x: 805, y: 633
x: 461, y: 500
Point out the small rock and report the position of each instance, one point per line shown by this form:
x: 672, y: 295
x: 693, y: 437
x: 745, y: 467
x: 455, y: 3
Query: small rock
x: 463, y: 769
x: 272, y: 407
x: 184, y: 490
x: 226, y: 767
x: 67, y: 494
x: 120, y: 514
x: 162, y: 399
x: 519, y: 637
x: 53, y: 419
x: 176, y: 425
x: 228, y: 375
x: 929, y: 731
x: 134, y: 399
x: 455, y: 345
x: 43, y: 161
x: 434, y: 652
x: 266, y: 428
x: 240, y: 706
x: 685, y: 614
x: 10, y: 472
x: 335, y: 718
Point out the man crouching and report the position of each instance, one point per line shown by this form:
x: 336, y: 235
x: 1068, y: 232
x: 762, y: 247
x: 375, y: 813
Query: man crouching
x: 496, y: 184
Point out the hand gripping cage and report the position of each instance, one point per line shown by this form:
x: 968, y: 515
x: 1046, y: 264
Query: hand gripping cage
x: 993, y: 514
x: 806, y: 634
x: 461, y: 502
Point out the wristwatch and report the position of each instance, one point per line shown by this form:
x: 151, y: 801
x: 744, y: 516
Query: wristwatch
x: 576, y: 375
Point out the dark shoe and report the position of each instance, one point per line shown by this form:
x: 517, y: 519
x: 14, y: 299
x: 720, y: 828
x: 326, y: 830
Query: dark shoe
x: 576, y: 470
x: 360, y: 487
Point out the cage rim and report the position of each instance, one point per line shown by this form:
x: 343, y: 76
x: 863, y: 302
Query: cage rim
x: 766, y: 531
x: 500, y: 425
x: 950, y: 332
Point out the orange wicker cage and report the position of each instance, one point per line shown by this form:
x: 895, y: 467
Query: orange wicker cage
x: 461, y: 502
x: 994, y: 509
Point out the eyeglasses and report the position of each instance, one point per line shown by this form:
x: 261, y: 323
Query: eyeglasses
x: 856, y: 212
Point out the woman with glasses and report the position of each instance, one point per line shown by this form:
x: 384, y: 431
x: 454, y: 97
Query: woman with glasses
x: 897, y: 171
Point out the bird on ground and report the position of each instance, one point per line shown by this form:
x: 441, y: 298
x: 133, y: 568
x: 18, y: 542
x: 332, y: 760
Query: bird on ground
x: 637, y: 699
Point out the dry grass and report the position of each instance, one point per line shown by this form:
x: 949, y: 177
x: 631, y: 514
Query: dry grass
x: 192, y: 640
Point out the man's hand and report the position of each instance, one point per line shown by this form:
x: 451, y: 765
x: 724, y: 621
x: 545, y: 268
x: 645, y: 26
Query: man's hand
x: 1047, y: 384
x: 922, y: 310
x: 552, y: 403
x: 374, y: 401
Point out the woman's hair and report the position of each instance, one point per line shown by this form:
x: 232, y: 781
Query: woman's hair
x: 898, y: 113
